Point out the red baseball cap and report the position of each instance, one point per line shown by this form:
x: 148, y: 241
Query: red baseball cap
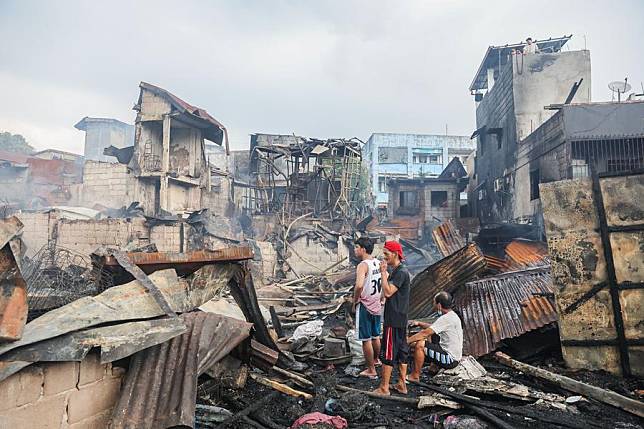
x: 395, y: 247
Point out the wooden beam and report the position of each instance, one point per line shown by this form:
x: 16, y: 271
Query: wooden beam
x: 280, y: 387
x: 605, y: 396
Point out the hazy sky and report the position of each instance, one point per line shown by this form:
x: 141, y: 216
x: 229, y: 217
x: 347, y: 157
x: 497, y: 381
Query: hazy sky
x: 313, y: 68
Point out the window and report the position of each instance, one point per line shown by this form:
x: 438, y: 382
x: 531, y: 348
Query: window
x: 435, y: 159
x: 419, y: 158
x: 408, y: 199
x: 408, y: 202
x: 382, y: 184
x: 439, y: 199
x: 392, y: 155
x: 534, y: 185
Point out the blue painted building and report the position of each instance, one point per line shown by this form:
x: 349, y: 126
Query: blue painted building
x: 388, y: 155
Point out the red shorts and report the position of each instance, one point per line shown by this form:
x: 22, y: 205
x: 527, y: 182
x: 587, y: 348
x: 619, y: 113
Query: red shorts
x: 395, y: 349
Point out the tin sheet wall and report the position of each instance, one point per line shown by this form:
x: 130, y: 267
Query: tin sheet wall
x: 588, y: 324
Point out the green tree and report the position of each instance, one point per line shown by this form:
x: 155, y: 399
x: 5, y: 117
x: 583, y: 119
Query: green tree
x: 14, y: 143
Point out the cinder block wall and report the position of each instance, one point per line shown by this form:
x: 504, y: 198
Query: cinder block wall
x: 37, y: 230
x: 168, y: 237
x: 61, y: 395
x: 85, y: 236
x: 106, y: 184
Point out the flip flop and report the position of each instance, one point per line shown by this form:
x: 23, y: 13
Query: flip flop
x: 369, y: 376
x: 377, y: 363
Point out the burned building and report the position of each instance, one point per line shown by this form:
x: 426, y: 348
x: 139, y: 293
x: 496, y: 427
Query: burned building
x: 166, y: 170
x: 296, y: 175
x: 101, y: 133
x: 418, y: 204
x: 169, y: 153
x: 511, y: 91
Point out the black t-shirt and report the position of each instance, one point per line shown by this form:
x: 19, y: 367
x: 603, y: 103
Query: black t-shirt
x: 397, y: 305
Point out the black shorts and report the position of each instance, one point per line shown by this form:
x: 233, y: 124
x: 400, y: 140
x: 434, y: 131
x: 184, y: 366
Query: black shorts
x: 394, y: 349
x: 434, y: 353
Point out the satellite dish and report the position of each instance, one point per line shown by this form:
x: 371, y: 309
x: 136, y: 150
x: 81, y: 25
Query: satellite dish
x: 619, y: 87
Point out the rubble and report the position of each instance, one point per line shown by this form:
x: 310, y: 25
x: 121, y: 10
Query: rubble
x: 188, y: 285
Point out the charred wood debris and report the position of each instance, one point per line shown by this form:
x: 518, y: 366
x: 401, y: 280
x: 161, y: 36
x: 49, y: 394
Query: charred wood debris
x: 267, y: 353
x: 249, y: 324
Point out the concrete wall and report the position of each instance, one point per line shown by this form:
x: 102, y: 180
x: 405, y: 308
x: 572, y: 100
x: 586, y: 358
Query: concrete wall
x: 311, y: 256
x: 186, y: 153
x: 102, y: 133
x: 426, y: 212
x: 65, y: 395
x: 85, y: 236
x: 38, y: 229
x: 218, y: 200
x: 579, y: 265
x: 107, y: 184
x: 515, y: 105
x: 543, y: 79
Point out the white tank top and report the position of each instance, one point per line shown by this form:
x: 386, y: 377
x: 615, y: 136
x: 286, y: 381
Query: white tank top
x: 370, y: 296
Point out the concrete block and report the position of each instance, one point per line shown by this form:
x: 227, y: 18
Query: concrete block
x: 91, y: 370
x: 31, y: 381
x: 93, y: 399
x: 60, y: 376
x: 47, y: 413
x: 101, y: 420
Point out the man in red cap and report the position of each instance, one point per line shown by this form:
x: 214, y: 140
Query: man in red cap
x: 395, y: 287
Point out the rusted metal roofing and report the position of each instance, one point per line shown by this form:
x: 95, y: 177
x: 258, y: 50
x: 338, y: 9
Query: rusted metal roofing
x: 125, y: 302
x: 447, y: 238
x: 160, y: 388
x: 13, y: 157
x: 500, y: 265
x: 448, y: 274
x: 504, y: 306
x: 213, y: 129
x: 154, y: 261
x: 13, y: 299
x: 527, y: 253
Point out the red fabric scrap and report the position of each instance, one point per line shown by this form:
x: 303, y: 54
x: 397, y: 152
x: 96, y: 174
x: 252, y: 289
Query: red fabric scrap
x: 314, y: 418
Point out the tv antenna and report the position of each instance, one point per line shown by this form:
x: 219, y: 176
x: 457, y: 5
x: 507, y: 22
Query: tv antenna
x: 620, y: 88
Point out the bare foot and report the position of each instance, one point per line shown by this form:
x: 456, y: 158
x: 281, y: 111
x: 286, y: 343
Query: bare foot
x: 382, y: 391
x: 413, y: 379
x: 369, y: 373
x: 377, y: 363
x: 400, y: 389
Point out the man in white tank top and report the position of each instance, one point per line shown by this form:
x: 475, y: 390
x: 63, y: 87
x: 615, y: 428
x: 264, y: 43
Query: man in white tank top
x: 367, y: 304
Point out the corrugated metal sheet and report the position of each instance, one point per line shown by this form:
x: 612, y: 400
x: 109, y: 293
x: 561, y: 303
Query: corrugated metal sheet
x: 447, y: 238
x: 448, y: 274
x: 125, y: 302
x: 500, y: 265
x: 505, y: 306
x: 160, y: 388
x: 527, y: 253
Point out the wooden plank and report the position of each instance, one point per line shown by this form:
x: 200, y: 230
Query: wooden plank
x: 605, y: 396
